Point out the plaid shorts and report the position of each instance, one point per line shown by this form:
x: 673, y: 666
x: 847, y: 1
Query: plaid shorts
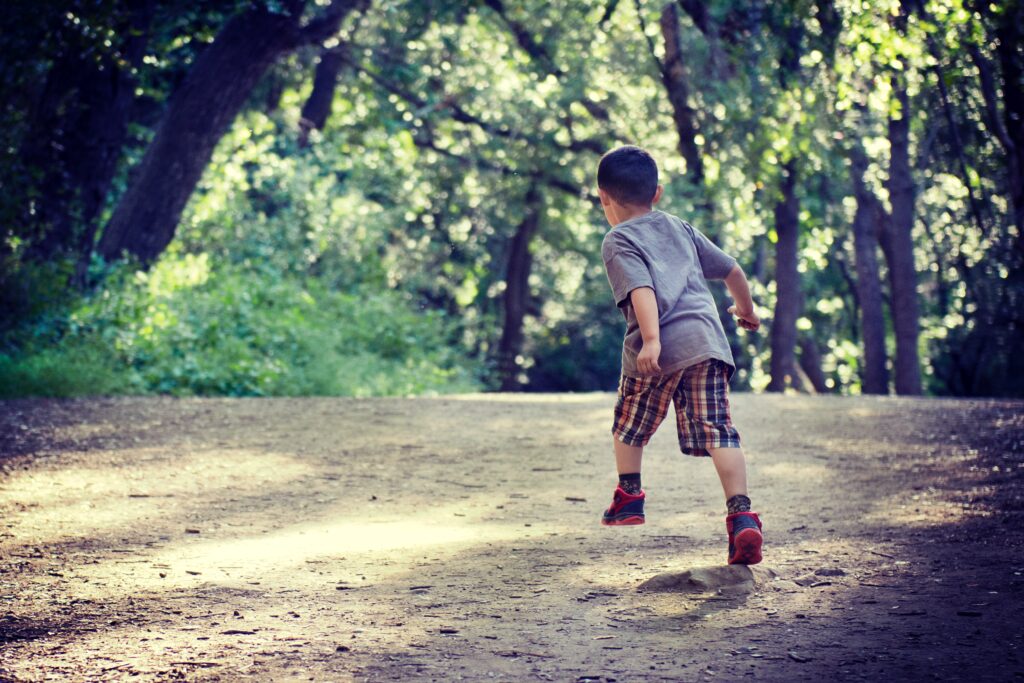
x: 701, y: 396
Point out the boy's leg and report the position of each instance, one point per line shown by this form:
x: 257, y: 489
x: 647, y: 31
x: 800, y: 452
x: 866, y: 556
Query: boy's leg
x: 627, y: 462
x: 742, y: 525
x: 705, y: 427
x: 641, y: 405
x: 732, y: 472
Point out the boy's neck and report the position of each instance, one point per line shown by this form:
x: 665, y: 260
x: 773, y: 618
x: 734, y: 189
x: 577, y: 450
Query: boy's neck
x: 626, y: 213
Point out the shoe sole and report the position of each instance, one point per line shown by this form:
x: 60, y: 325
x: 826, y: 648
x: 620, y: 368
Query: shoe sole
x: 747, y: 546
x: 631, y: 520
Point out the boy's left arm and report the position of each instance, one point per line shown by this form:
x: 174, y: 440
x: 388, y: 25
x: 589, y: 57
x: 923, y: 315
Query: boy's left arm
x: 743, y: 308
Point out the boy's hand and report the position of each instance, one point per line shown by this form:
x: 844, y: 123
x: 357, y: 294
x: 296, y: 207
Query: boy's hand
x: 748, y: 320
x: 647, y: 360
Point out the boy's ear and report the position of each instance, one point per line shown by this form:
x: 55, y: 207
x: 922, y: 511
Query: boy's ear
x: 605, y: 197
x: 657, y: 195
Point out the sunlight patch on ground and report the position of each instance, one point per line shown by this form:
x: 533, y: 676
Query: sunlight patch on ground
x: 560, y: 399
x: 796, y: 471
x: 385, y: 542
x: 80, y: 501
x: 904, y: 511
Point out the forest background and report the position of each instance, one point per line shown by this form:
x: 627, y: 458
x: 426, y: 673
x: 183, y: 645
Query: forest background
x: 370, y: 197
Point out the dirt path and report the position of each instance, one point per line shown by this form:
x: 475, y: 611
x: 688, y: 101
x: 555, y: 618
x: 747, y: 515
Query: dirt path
x: 457, y: 539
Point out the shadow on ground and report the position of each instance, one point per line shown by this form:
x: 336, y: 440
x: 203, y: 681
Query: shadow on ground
x: 161, y: 539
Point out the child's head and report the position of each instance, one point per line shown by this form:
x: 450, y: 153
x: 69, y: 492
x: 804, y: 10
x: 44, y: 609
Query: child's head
x: 627, y: 181
x: 628, y: 175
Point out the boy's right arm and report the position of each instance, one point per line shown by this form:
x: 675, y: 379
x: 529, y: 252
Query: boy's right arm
x: 645, y: 305
x: 743, y: 308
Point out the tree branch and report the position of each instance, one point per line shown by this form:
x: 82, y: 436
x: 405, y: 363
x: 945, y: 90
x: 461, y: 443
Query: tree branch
x: 326, y: 25
x: 457, y: 113
x: 539, y: 54
x: 506, y: 171
x: 650, y: 41
x: 958, y: 146
x: 609, y: 10
x: 674, y: 77
x: 524, y: 39
x: 988, y: 90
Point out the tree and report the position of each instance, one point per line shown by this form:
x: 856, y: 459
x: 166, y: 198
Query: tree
x: 898, y: 246
x: 1009, y: 30
x: 78, y: 128
x: 789, y: 299
x: 214, y: 91
x: 673, y: 75
x: 788, y: 28
x: 869, y: 215
x: 516, y: 298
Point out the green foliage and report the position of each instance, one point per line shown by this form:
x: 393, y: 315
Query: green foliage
x: 186, y: 328
x: 373, y: 261
x: 75, y: 368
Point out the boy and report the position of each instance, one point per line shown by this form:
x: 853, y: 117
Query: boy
x: 675, y: 347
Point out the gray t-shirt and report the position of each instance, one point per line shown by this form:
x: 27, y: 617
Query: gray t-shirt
x: 673, y: 258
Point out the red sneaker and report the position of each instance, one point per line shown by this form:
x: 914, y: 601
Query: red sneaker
x: 744, y: 537
x: 626, y: 509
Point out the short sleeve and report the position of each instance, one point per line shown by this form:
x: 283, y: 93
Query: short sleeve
x: 626, y: 268
x: 715, y: 263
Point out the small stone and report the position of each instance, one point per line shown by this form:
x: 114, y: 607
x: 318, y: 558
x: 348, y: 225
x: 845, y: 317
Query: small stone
x: 734, y: 578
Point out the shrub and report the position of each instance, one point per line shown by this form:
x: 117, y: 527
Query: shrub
x: 185, y: 328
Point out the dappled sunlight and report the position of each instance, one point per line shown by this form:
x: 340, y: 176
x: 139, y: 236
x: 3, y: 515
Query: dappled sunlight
x: 864, y: 449
x: 913, y: 511
x: 796, y: 471
x: 528, y: 398
x: 86, y: 499
x: 386, y: 543
x: 343, y: 539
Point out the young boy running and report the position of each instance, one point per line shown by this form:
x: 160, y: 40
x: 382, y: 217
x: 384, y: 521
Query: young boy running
x: 675, y: 348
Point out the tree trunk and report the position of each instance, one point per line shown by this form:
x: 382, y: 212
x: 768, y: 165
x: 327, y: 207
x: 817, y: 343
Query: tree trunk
x: 199, y: 114
x: 78, y: 131
x: 318, y: 107
x: 517, y: 290
x: 789, y: 299
x: 810, y: 362
x: 673, y: 74
x: 1009, y: 31
x: 902, y: 270
x: 875, y: 376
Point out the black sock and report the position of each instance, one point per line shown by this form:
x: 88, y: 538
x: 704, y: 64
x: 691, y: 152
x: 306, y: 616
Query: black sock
x: 738, y: 503
x: 630, y: 483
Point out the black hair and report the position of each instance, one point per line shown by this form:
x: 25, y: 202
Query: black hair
x: 629, y: 174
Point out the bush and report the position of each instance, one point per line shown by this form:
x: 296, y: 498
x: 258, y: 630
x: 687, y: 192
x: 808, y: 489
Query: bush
x: 73, y: 369
x: 185, y: 328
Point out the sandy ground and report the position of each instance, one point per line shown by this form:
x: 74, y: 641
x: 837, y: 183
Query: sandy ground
x: 457, y: 538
